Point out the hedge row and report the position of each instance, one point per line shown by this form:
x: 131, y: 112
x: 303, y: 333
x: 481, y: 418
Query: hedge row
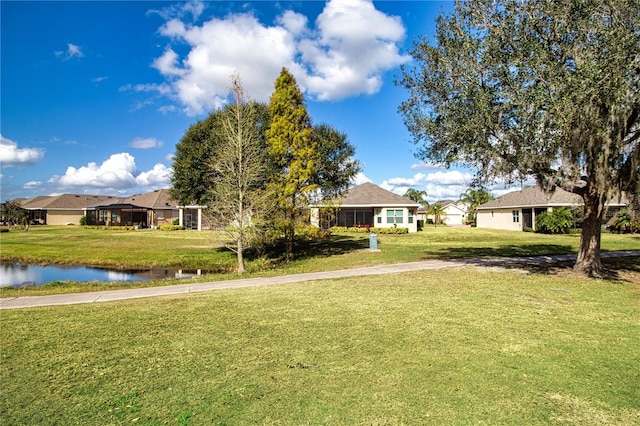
x: 374, y: 230
x: 130, y: 228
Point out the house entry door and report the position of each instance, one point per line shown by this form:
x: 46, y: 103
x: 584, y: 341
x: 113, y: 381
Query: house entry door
x: 527, y: 218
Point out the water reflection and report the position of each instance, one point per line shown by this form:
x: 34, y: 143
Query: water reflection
x: 18, y: 274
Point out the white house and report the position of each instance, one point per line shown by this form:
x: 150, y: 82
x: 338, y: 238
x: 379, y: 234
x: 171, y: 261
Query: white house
x: 368, y: 206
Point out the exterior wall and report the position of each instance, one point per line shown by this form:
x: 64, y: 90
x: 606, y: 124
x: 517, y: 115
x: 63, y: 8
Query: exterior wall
x: 499, y: 219
x: 163, y: 217
x: 62, y: 217
x: 381, y: 218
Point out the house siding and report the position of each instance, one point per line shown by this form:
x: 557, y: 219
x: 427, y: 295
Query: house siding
x: 62, y: 217
x: 499, y: 219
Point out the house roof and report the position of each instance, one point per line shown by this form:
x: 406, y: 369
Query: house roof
x: 65, y: 201
x: 156, y: 199
x: 370, y: 195
x: 536, y: 197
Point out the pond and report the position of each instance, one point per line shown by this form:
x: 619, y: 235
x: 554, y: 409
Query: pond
x: 21, y: 274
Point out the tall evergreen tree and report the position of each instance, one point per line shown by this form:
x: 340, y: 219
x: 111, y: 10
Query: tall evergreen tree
x: 294, y: 149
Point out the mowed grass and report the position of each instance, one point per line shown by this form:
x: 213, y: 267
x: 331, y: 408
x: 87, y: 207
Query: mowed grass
x: 190, y: 250
x: 455, y: 347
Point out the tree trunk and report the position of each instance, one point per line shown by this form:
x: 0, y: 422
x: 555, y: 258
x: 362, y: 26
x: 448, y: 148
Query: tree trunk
x: 289, y: 235
x: 588, y: 261
x: 240, y: 255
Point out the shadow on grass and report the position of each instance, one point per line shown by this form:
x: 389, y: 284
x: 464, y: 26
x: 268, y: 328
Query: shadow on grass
x: 624, y: 269
x: 305, y: 249
x: 519, y: 250
x: 549, y: 259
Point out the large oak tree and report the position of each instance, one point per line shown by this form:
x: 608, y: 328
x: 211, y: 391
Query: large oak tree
x: 517, y: 88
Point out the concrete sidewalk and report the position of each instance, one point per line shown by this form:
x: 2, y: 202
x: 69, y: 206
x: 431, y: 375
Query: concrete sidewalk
x: 112, y: 295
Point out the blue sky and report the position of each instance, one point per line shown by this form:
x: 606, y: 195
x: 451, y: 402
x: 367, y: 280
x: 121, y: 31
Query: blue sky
x: 95, y: 95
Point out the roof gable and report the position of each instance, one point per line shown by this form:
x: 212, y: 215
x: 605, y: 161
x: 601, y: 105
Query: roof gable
x: 371, y: 195
x: 155, y: 199
x: 65, y: 201
x: 536, y: 197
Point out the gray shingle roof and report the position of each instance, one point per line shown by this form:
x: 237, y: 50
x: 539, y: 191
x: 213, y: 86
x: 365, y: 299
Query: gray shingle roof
x: 370, y: 195
x: 65, y: 201
x: 156, y: 199
x: 536, y: 197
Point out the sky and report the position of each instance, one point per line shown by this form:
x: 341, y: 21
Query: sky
x: 94, y: 96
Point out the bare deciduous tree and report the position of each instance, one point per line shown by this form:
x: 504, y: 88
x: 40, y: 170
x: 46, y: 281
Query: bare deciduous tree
x: 242, y: 204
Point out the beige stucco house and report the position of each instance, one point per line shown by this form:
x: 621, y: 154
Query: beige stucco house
x: 517, y: 210
x: 61, y: 209
x: 368, y: 206
x: 151, y: 209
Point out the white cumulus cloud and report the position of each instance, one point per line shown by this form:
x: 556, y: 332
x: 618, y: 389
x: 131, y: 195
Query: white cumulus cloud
x: 345, y: 53
x: 159, y: 176
x: 10, y: 153
x: 439, y: 184
x: 117, y: 172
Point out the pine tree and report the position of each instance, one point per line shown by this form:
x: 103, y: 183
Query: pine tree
x: 293, y: 147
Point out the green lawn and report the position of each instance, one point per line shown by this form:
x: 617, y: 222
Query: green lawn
x: 203, y: 250
x: 465, y: 346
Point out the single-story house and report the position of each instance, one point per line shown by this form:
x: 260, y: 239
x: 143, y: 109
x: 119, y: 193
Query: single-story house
x: 454, y: 213
x: 367, y: 206
x: 152, y: 209
x: 517, y: 210
x: 61, y: 209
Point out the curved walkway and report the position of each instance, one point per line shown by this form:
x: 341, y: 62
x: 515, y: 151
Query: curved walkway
x: 111, y: 295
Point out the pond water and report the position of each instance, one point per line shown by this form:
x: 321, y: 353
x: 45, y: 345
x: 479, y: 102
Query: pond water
x: 20, y: 274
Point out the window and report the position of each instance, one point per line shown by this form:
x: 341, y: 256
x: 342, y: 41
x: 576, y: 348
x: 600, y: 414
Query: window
x: 394, y: 216
x: 379, y: 216
x: 411, y: 213
x: 516, y: 216
x: 114, y: 217
x: 104, y: 215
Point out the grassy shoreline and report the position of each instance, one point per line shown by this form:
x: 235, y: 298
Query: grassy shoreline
x: 147, y: 249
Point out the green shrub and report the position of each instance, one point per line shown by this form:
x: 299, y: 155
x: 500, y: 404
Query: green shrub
x: 624, y: 222
x: 311, y: 232
x: 109, y: 227
x: 83, y: 221
x: 357, y: 230
x: 339, y: 229
x: 390, y: 230
x: 171, y: 228
x: 557, y: 221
